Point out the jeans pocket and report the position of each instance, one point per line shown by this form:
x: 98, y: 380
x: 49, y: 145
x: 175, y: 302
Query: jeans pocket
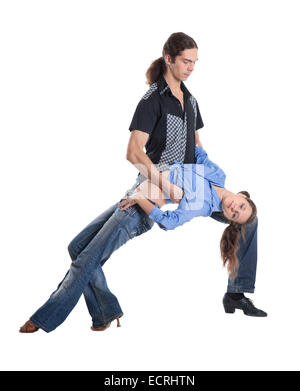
x: 131, y: 210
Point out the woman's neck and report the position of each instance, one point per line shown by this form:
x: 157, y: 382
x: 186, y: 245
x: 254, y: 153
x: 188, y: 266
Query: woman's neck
x: 221, y: 191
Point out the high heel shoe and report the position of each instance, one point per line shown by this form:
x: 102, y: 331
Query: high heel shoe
x: 106, y: 326
x: 28, y: 327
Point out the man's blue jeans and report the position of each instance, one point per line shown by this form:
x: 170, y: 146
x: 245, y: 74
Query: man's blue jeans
x: 93, y: 246
x: 247, y: 255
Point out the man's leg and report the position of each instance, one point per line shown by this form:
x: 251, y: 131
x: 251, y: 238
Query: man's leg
x: 247, y: 255
x: 120, y: 227
x: 246, y: 274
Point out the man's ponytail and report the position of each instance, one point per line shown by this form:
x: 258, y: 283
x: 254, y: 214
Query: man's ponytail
x: 157, y: 68
x: 175, y: 44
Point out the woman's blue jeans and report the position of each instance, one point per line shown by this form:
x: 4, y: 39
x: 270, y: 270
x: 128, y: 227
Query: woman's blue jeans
x: 89, y: 250
x: 93, y: 246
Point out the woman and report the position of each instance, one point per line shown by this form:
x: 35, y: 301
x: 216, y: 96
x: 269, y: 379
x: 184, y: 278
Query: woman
x: 203, y: 193
x: 201, y: 186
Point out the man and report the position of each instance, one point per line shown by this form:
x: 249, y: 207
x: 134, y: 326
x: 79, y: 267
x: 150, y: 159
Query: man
x: 172, y: 85
x: 168, y: 107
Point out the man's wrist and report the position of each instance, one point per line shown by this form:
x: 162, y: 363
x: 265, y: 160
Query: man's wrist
x: 139, y: 196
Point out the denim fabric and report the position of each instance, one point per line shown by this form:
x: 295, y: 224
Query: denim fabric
x: 247, y: 255
x: 89, y: 250
x: 93, y: 246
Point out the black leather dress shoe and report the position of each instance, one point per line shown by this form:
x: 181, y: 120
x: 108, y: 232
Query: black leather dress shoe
x: 244, y: 304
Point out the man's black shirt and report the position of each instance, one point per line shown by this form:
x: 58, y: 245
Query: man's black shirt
x: 171, y: 131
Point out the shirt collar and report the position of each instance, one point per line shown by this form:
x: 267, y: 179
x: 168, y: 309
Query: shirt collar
x: 163, y: 87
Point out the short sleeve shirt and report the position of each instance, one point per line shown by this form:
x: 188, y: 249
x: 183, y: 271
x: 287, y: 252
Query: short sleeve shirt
x: 171, y: 130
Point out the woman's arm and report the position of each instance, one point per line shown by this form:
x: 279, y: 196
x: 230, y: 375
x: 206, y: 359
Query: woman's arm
x: 170, y: 219
x: 167, y: 219
x: 212, y: 172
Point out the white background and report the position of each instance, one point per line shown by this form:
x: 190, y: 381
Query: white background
x: 72, y: 73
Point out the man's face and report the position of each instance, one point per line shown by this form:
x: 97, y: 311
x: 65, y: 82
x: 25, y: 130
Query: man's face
x: 183, y: 65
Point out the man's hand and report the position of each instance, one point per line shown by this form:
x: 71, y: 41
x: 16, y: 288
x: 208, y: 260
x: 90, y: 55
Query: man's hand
x: 130, y: 200
x: 126, y: 203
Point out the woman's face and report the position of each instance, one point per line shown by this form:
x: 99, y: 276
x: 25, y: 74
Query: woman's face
x: 236, y: 208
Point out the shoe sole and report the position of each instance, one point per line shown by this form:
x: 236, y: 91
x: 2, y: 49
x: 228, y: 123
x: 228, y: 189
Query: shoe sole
x: 231, y: 310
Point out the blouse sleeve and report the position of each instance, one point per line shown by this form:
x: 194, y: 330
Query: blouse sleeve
x: 212, y: 172
x: 201, y: 155
x: 170, y: 219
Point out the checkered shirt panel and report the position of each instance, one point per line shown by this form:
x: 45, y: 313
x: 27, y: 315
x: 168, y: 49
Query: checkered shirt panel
x: 176, y: 136
x: 152, y: 88
x: 193, y: 102
x: 175, y: 141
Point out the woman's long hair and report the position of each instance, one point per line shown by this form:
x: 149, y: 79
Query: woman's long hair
x: 175, y: 44
x: 230, y: 239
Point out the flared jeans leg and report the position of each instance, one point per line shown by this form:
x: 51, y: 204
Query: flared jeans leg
x: 247, y: 255
x: 121, y: 226
x: 97, y: 295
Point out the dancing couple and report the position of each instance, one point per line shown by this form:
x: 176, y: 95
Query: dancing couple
x: 174, y: 169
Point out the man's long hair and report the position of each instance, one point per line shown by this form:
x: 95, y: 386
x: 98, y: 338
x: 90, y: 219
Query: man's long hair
x: 175, y: 44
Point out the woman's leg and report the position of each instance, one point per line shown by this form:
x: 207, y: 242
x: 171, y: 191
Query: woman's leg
x: 96, y: 293
x: 89, y: 232
x: 120, y: 227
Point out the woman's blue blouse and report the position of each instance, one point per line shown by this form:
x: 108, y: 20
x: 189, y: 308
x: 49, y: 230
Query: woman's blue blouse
x: 199, y: 199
